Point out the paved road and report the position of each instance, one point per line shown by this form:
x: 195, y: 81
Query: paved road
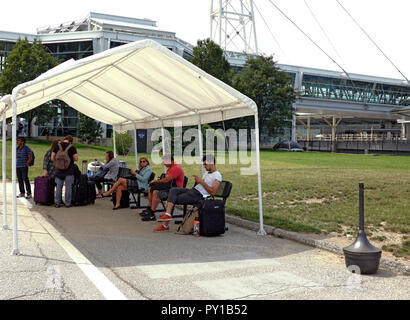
x: 95, y: 253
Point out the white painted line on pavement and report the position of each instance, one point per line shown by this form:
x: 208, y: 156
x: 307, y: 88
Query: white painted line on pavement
x: 230, y: 262
x: 101, y: 282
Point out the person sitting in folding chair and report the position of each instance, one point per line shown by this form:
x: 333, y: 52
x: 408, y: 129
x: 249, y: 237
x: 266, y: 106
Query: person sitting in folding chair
x: 174, y: 178
x: 141, y: 180
x: 109, y: 172
x: 205, y: 187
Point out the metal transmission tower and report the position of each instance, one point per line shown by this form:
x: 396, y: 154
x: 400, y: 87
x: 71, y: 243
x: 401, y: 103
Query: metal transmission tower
x: 233, y: 25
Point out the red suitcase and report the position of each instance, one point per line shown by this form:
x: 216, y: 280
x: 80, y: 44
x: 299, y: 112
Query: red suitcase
x: 44, y: 190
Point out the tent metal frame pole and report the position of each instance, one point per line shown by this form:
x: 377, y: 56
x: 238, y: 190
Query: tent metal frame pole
x: 5, y: 226
x: 261, y: 231
x: 14, y: 174
x: 136, y: 147
x: 163, y: 145
x: 114, y: 136
x: 201, y: 148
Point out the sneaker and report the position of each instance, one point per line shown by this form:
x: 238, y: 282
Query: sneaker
x: 28, y: 196
x: 20, y: 195
x: 161, y: 227
x: 58, y: 205
x: 149, y: 217
x: 146, y: 212
x: 165, y: 217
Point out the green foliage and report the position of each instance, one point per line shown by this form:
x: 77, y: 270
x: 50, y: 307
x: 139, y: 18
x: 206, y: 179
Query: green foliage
x: 123, y: 143
x: 25, y: 63
x: 271, y: 89
x: 88, y: 129
x: 402, y: 250
x: 260, y: 80
x: 210, y: 57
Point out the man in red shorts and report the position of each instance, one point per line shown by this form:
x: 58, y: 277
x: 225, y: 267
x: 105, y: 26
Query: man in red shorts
x: 174, y: 178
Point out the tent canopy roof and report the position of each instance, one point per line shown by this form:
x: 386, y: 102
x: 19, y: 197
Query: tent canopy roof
x: 140, y: 84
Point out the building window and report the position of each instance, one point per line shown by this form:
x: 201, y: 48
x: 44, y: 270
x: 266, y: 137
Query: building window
x: 66, y: 121
x: 70, y: 50
x: 5, y: 49
x: 114, y: 44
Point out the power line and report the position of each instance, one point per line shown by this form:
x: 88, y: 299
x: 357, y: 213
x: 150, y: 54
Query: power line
x: 324, y: 32
x: 271, y: 33
x: 311, y: 40
x: 372, y: 41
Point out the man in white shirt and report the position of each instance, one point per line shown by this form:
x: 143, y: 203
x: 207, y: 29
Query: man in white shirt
x: 206, y: 186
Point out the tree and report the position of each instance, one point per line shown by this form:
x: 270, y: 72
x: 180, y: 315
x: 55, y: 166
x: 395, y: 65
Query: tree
x: 123, y: 143
x: 271, y: 89
x: 25, y: 63
x: 210, y: 57
x: 88, y: 129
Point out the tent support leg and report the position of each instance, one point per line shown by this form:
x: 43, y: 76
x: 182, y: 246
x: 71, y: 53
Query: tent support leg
x: 114, y: 135
x: 5, y: 226
x: 136, y: 147
x: 201, y: 148
x: 261, y: 231
x: 13, y: 176
x: 163, y: 146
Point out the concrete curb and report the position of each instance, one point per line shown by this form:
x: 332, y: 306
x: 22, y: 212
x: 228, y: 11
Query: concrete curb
x: 388, y: 264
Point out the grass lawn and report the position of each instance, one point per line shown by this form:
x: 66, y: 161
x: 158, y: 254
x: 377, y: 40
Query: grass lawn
x: 305, y: 192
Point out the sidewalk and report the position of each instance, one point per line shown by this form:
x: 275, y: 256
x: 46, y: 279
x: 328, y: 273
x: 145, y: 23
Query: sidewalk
x: 43, y: 270
x: 77, y: 253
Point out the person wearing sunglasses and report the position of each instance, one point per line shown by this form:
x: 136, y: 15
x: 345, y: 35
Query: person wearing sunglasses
x: 142, y: 175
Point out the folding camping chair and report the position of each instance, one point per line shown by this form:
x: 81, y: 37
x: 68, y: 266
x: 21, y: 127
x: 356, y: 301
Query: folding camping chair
x: 136, y: 190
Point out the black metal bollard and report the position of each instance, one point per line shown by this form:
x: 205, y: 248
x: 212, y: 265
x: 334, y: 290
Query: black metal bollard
x: 361, y: 253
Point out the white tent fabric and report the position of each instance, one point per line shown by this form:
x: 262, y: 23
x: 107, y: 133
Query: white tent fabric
x: 142, y: 84
x: 138, y: 85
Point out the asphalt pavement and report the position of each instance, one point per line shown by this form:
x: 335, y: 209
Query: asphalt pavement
x: 94, y: 252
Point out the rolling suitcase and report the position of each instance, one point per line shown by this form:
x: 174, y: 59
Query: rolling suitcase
x: 125, y: 199
x: 44, y: 190
x: 92, y: 194
x: 212, y: 218
x: 80, y: 191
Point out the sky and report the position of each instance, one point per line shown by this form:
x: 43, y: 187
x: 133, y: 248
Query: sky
x: 385, y: 21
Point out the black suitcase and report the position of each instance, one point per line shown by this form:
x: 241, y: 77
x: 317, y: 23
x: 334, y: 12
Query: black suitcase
x: 92, y: 194
x: 212, y: 218
x: 125, y: 199
x: 80, y: 191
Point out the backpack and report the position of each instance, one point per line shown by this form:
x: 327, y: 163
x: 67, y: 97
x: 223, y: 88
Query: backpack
x: 62, y: 159
x: 187, y: 226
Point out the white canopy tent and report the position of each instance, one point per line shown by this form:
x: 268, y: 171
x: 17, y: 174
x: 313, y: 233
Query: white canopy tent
x: 137, y: 85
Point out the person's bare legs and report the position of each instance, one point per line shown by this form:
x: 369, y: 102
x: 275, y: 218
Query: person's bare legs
x: 149, y: 197
x: 170, y: 206
x: 118, y: 195
x: 155, y: 201
x: 121, y: 182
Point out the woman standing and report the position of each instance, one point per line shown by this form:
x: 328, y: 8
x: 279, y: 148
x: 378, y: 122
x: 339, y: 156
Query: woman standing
x: 141, y: 181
